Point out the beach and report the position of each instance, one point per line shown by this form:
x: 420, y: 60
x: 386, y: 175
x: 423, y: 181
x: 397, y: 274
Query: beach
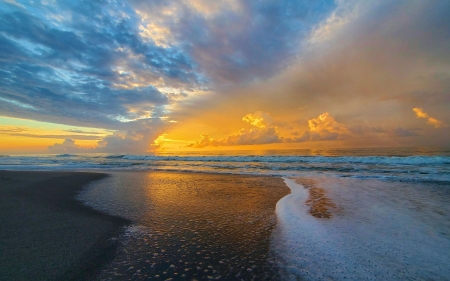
x: 281, y: 216
x: 200, y: 226
x: 332, y: 228
x: 190, y: 225
x: 224, y: 140
x: 48, y: 235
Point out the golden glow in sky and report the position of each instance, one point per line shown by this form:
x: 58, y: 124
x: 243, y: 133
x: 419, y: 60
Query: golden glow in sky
x: 28, y: 136
x: 141, y: 76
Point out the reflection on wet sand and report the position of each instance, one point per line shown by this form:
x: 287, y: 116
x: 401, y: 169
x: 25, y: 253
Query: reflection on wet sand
x: 320, y: 206
x: 197, y: 226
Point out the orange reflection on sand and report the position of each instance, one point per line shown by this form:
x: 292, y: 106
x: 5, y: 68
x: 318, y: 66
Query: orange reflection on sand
x: 211, y: 196
x: 201, y: 224
x: 320, y: 206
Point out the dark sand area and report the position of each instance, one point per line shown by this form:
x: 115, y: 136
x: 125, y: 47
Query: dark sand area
x: 45, y: 234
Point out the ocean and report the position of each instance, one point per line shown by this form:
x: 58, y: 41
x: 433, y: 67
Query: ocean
x: 349, y: 214
x: 400, y: 164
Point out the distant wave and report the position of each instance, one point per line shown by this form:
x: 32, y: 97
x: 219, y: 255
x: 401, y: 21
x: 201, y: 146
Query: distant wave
x: 116, y: 156
x: 392, y: 160
x: 66, y: 155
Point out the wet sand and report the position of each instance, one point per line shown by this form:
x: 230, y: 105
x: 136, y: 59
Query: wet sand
x: 191, y: 226
x: 180, y: 225
x: 320, y: 206
x: 45, y: 234
x: 379, y: 230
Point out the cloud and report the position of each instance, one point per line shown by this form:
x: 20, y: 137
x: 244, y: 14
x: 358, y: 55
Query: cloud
x: 258, y: 119
x: 400, y: 132
x: 84, y: 132
x: 322, y: 128
x: 233, y: 41
x: 22, y: 131
x: 12, y: 130
x: 139, y: 137
x: 362, y: 69
x: 254, y: 136
x: 56, y: 136
x: 68, y: 146
x: 106, y: 64
x: 361, y: 130
x: 205, y: 140
x: 430, y: 120
x: 86, y: 64
x: 325, y: 127
x: 13, y: 2
x: 111, y: 64
x: 262, y: 133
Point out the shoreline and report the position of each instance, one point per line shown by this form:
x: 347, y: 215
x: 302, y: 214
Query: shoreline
x: 320, y: 246
x: 46, y: 233
x: 51, y: 233
x: 191, y: 225
x: 109, y: 171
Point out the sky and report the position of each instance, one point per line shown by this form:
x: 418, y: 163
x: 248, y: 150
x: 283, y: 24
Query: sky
x: 130, y: 76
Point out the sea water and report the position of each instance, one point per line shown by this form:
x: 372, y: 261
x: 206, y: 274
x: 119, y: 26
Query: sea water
x: 190, y: 225
x: 380, y: 230
x: 390, y: 218
x: 402, y: 164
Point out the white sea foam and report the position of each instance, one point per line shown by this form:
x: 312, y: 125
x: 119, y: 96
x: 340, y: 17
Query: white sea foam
x: 385, y: 231
x: 137, y: 230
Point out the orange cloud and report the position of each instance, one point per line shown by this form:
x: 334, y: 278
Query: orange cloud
x: 324, y: 127
x: 205, y: 140
x: 258, y: 119
x: 262, y: 133
x: 254, y: 136
x: 430, y: 120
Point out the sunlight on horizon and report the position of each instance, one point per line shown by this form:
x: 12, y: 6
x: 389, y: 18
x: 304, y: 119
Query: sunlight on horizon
x: 138, y: 77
